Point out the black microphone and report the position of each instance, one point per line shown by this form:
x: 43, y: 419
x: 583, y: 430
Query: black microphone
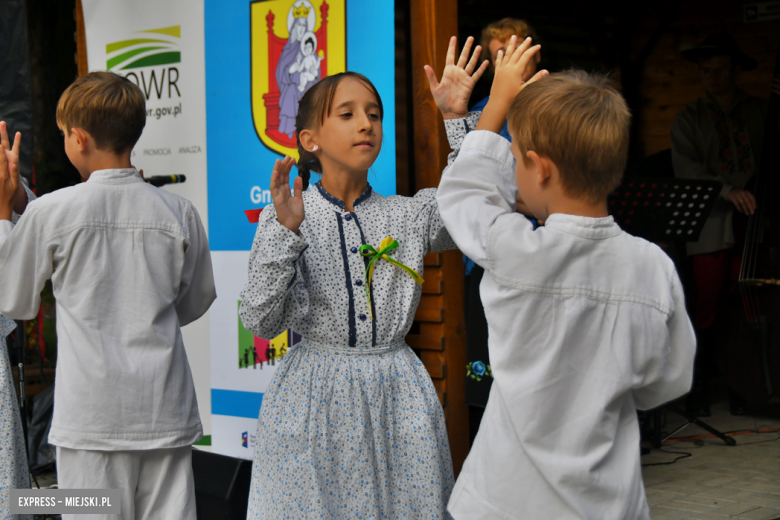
x: 161, y: 180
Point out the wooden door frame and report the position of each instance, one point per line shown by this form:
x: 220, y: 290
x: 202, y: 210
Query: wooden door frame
x: 440, y: 337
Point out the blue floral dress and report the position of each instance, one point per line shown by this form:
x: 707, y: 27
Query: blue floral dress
x: 13, y: 458
x: 351, y: 425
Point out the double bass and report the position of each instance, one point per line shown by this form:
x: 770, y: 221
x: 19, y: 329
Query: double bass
x: 751, y: 362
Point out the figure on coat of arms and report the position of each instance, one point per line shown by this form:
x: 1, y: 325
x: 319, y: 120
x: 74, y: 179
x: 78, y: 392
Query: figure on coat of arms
x: 300, y: 22
x: 285, y: 66
x: 309, y: 67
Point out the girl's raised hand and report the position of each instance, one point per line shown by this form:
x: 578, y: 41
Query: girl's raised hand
x: 453, y: 92
x: 11, y: 151
x: 510, y: 70
x: 289, y: 207
x: 9, y: 172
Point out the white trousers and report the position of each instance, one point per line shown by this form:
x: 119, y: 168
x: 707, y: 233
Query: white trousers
x: 155, y: 484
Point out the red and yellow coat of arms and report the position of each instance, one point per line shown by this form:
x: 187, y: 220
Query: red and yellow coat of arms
x: 294, y: 44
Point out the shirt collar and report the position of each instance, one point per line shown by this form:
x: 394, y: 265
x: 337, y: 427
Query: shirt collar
x: 340, y: 203
x: 586, y: 227
x: 116, y: 176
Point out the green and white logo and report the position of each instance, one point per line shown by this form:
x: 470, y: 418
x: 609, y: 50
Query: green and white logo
x: 162, y: 49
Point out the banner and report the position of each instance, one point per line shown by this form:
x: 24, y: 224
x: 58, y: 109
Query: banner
x: 227, y: 75
x: 261, y: 57
x: 160, y: 47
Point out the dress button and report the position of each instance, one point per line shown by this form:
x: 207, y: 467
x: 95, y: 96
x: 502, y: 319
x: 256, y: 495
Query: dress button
x: 347, y: 217
x: 359, y: 282
x: 362, y: 317
x: 353, y: 249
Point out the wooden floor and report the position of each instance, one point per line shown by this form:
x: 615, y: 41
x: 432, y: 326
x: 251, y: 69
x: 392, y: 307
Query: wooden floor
x: 717, y: 481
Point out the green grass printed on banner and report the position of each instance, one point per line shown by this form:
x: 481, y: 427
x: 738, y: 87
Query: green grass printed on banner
x: 111, y: 47
x: 113, y: 62
x: 162, y: 58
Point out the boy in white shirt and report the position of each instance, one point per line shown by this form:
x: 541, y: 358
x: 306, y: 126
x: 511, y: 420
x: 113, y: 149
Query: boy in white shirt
x: 129, y: 265
x: 586, y: 323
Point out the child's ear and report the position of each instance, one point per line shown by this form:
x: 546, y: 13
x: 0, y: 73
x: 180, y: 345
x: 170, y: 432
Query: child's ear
x: 308, y: 140
x: 542, y: 165
x: 81, y: 138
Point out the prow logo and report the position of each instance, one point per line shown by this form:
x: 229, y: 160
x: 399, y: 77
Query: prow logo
x: 160, y: 47
x: 245, y: 439
x: 294, y: 44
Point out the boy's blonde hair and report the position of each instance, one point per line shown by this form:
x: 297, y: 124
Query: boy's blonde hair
x: 580, y: 122
x: 110, y: 107
x: 502, y: 30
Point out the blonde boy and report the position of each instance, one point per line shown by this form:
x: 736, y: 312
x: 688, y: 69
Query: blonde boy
x: 586, y: 323
x: 129, y: 265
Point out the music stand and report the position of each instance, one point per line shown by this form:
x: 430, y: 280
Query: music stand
x: 666, y: 210
x: 663, y: 210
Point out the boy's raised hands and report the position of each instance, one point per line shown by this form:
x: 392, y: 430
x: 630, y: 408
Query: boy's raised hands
x: 508, y: 82
x: 289, y: 207
x: 10, y: 184
x: 457, y: 81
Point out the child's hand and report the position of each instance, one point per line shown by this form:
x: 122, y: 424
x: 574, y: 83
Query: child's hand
x: 510, y: 70
x: 453, y: 93
x: 508, y: 82
x: 289, y: 208
x: 10, y: 185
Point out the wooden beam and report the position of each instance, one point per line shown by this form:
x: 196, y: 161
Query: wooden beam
x: 433, y: 286
x: 429, y: 315
x: 432, y: 260
x: 432, y: 23
x: 420, y: 342
x: 81, y: 40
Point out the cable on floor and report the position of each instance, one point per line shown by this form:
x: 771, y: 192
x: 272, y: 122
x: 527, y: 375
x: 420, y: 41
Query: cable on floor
x: 683, y: 455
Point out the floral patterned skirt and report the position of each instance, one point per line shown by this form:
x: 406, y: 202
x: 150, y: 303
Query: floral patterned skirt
x: 13, y: 457
x: 350, y: 432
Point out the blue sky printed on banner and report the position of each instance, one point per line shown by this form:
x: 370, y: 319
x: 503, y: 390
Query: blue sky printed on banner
x: 237, y: 160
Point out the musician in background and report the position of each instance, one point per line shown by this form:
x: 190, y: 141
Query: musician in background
x: 718, y: 137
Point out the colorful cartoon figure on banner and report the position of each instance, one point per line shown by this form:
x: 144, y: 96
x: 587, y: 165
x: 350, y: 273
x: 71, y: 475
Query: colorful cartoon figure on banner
x: 286, y: 65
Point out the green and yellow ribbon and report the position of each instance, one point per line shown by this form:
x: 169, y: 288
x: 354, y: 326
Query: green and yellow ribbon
x: 387, y: 245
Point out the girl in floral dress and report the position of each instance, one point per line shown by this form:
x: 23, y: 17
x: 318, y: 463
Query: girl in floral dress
x: 351, y: 425
x: 14, y: 473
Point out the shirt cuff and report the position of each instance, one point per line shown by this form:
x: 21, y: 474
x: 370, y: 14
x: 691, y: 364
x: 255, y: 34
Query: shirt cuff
x: 6, y: 226
x: 281, y: 244
x: 492, y: 145
x: 30, y: 197
x: 458, y: 128
x: 724, y: 191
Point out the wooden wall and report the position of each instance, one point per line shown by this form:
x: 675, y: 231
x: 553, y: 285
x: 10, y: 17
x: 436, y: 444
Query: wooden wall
x: 669, y: 81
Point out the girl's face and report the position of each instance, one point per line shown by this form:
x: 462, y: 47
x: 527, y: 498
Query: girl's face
x: 351, y: 136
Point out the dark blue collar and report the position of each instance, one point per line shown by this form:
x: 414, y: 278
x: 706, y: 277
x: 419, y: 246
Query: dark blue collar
x: 340, y: 203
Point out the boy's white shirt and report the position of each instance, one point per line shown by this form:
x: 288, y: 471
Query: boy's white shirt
x: 586, y: 324
x: 129, y: 264
x: 5, y: 229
